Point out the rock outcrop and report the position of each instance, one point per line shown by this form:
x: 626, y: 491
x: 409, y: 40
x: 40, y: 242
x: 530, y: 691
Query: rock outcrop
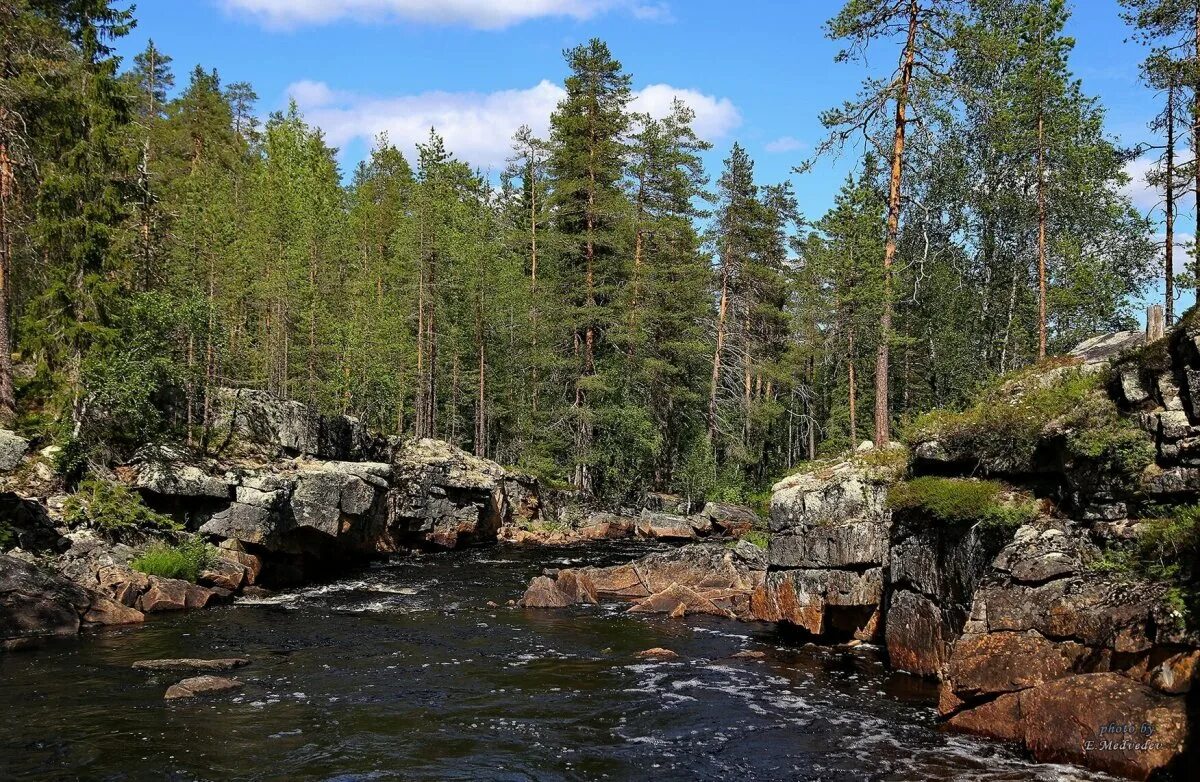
x: 568, y: 527
x: 36, y: 602
x: 702, y: 578
x: 1046, y: 629
x: 829, y: 549
x: 301, y: 490
x: 1033, y: 634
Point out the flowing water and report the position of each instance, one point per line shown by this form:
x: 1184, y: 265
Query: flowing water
x: 402, y: 671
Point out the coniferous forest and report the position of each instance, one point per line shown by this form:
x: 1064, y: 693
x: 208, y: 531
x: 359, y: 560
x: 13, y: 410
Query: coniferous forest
x: 604, y: 450
x: 604, y: 312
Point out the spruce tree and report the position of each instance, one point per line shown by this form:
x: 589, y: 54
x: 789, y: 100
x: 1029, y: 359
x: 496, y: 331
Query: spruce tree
x: 587, y: 163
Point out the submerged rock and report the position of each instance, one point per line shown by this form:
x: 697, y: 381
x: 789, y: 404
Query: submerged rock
x: 201, y: 685
x: 191, y: 664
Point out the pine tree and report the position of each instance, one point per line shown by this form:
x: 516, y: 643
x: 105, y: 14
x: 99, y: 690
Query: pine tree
x: 1172, y: 29
x: 587, y: 162
x: 923, y: 27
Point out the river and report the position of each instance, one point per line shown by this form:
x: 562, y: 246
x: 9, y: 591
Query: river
x: 402, y: 671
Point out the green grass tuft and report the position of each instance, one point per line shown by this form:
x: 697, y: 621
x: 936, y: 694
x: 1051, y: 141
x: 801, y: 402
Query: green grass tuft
x: 184, y: 560
x: 757, y: 537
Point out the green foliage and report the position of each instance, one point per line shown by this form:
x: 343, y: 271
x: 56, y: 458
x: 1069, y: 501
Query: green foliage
x: 757, y: 537
x: 8, y: 536
x: 1169, y: 548
x: 1011, y: 419
x: 962, y: 501
x: 111, y: 508
x: 184, y: 560
x: 568, y: 319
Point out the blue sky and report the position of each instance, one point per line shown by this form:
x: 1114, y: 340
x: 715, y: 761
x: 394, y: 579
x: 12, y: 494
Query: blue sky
x: 756, y: 71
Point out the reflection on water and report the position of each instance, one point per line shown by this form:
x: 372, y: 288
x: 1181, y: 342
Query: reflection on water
x: 402, y: 672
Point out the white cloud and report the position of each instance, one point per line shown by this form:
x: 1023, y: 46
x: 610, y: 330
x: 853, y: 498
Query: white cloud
x: 478, y: 127
x: 786, y: 144
x: 1144, y: 196
x: 482, y: 14
x: 714, y: 116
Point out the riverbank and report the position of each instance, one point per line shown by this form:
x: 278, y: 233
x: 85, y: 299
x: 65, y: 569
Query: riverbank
x: 402, y: 670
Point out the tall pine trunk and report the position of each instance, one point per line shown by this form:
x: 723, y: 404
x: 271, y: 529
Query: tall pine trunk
x: 853, y: 384
x: 1169, y: 181
x: 533, y: 292
x: 1196, y: 147
x: 1041, y: 201
x: 722, y: 314
x: 882, y: 413
x: 8, y: 405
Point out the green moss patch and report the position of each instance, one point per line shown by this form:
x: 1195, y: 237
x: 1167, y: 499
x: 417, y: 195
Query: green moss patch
x: 1009, y: 421
x: 962, y: 501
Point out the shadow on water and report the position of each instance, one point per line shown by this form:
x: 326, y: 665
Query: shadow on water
x: 402, y: 671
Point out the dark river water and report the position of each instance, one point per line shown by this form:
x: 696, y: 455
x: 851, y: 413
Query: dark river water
x: 403, y: 672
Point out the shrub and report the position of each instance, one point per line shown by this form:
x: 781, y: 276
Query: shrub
x: 8, y: 537
x: 112, y: 508
x: 1167, y: 550
x: 1169, y: 547
x: 184, y: 560
x: 962, y: 501
x: 1006, y: 422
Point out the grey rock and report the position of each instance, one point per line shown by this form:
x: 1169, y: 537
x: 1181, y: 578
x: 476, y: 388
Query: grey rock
x: 1131, y: 387
x: 171, y: 472
x: 1105, y: 347
x: 13, y: 448
x: 243, y: 522
x: 849, y: 544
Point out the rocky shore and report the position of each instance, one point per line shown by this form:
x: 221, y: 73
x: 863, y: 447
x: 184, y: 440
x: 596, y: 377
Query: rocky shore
x: 1019, y: 605
x: 992, y: 554
x: 289, y: 497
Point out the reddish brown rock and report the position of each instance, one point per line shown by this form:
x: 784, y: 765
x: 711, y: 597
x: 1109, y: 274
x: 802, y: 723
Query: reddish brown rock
x: 201, y: 685
x: 678, y: 601
x: 1177, y: 673
x: 915, y: 634
x: 1007, y: 662
x: 1105, y: 721
x: 543, y: 592
x: 577, y: 586
x: 224, y: 573
x: 122, y: 584
x: 748, y: 654
x: 104, y: 611
x: 997, y: 719
x: 658, y: 653
x: 173, y: 594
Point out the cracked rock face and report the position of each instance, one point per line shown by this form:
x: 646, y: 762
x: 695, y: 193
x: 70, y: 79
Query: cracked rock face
x: 1054, y: 651
x: 830, y: 547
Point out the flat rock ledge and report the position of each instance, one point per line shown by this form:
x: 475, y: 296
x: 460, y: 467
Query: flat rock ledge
x: 201, y: 685
x: 191, y: 664
x: 705, y: 578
